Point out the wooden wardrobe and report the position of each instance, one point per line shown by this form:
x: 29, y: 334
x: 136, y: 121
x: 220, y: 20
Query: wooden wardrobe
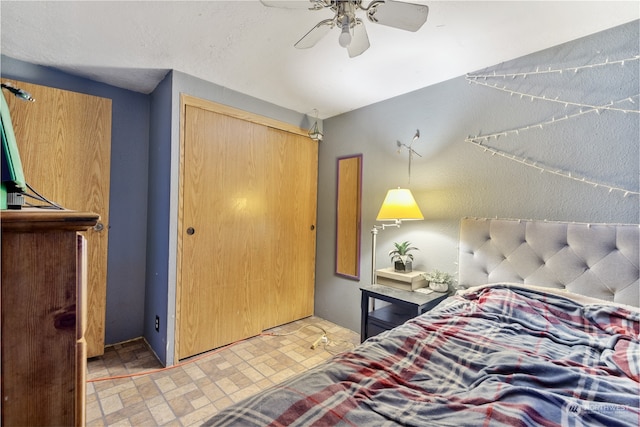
x: 247, y: 238
x: 64, y: 139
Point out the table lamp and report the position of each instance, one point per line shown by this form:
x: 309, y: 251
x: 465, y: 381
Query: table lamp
x: 399, y: 205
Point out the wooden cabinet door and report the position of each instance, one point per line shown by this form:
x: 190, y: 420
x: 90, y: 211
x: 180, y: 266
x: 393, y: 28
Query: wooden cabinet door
x: 64, y: 139
x: 246, y: 257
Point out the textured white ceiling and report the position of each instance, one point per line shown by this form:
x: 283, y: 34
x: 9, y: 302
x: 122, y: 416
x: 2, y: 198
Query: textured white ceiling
x: 247, y: 47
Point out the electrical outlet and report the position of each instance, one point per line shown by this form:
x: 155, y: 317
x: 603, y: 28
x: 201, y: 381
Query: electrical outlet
x: 157, y: 323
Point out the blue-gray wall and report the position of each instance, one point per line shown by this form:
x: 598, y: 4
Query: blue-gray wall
x: 158, y: 230
x: 454, y: 178
x: 128, y: 192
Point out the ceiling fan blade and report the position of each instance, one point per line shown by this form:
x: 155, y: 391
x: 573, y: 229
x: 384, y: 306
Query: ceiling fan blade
x: 396, y: 14
x: 359, y: 41
x: 315, y: 34
x: 295, y: 4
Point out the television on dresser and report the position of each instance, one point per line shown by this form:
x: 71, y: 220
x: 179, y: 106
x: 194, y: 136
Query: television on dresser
x: 13, y: 182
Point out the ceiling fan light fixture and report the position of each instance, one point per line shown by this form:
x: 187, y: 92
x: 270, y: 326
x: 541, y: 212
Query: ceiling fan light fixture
x: 353, y: 36
x: 345, y: 36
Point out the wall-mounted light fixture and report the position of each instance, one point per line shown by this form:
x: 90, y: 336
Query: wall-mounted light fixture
x: 314, y: 132
x: 399, y: 205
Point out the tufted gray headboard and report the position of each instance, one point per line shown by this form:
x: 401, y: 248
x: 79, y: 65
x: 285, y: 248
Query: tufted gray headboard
x: 596, y: 260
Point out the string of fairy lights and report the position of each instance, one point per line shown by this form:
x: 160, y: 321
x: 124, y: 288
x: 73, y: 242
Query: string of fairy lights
x: 558, y: 172
x: 627, y: 105
x: 584, y: 109
x: 598, y: 108
x: 550, y: 70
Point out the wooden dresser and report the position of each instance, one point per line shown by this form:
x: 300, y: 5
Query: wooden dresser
x: 44, y: 316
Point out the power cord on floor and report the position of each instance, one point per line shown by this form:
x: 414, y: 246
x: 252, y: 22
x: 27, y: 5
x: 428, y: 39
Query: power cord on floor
x: 344, y: 346
x: 284, y: 334
x: 177, y: 365
x: 322, y: 339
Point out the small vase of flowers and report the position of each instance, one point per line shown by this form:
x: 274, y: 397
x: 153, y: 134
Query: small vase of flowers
x: 438, y: 280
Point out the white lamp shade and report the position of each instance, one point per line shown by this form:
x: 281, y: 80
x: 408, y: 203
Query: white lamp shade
x: 399, y: 204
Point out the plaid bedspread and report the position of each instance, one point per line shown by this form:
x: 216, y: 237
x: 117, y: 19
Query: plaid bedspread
x: 499, y: 356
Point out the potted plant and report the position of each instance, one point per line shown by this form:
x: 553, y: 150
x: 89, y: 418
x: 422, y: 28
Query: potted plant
x: 401, y: 257
x: 438, y: 280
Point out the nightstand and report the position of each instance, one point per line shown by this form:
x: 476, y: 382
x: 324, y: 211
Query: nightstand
x: 404, y: 305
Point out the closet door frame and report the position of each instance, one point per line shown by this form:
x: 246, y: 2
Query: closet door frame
x: 191, y: 101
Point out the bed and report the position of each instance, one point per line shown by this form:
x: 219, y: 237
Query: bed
x: 544, y: 331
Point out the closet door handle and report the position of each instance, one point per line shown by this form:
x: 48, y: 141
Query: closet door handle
x: 191, y: 231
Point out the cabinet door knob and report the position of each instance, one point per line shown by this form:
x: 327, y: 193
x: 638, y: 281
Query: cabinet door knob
x: 190, y: 231
x: 98, y: 227
x: 313, y: 227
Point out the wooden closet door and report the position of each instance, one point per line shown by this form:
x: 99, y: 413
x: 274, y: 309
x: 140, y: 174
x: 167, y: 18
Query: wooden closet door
x: 64, y: 139
x: 292, y: 197
x: 221, y: 267
x: 246, y: 251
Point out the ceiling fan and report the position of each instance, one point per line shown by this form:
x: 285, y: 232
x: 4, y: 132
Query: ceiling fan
x: 353, y: 35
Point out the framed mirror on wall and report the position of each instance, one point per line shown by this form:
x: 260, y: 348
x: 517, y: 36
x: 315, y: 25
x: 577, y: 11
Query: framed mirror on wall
x: 348, y: 212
